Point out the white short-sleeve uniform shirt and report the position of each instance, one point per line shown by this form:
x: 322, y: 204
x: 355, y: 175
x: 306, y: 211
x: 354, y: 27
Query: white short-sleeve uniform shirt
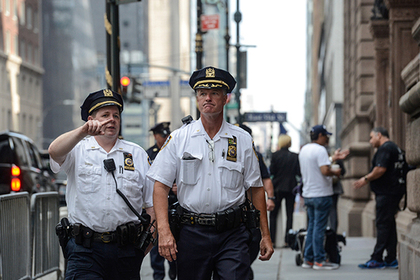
x: 211, y: 174
x: 311, y: 157
x: 91, y: 195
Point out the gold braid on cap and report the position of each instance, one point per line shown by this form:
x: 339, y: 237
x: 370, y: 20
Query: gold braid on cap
x: 102, y: 103
x: 211, y: 81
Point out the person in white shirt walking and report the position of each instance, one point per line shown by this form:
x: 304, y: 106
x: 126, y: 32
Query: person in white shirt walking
x: 317, y: 192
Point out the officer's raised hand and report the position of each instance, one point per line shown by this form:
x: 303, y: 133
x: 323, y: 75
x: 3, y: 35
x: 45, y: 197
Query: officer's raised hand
x: 95, y: 127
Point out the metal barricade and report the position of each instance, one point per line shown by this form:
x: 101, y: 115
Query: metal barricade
x: 15, y: 241
x: 46, y: 249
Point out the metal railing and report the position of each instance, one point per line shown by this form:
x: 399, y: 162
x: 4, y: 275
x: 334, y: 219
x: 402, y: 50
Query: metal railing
x: 46, y: 250
x: 29, y: 248
x: 15, y: 242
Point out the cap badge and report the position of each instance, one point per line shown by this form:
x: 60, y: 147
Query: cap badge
x: 107, y: 93
x: 210, y: 73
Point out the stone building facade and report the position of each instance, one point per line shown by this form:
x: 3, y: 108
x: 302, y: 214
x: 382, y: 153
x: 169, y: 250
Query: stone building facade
x: 382, y: 88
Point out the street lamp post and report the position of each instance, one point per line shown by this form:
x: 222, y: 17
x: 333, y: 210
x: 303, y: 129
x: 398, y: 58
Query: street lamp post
x: 238, y: 18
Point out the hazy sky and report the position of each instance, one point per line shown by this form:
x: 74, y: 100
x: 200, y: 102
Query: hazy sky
x: 277, y: 65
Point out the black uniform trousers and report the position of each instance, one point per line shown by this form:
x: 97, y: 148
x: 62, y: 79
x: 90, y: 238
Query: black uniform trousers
x: 203, y: 252
x: 290, y: 206
x: 386, y: 229
x: 103, y: 261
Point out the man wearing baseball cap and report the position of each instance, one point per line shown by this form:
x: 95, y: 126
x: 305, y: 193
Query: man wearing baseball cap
x: 101, y: 169
x: 316, y: 171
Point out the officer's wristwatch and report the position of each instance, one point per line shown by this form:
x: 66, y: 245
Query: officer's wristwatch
x: 272, y: 197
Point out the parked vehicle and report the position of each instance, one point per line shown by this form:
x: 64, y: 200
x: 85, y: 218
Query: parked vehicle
x: 21, y: 165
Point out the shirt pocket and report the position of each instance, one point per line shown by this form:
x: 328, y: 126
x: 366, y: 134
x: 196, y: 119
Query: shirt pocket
x: 231, y: 174
x: 189, y: 169
x: 89, y: 179
x: 132, y: 184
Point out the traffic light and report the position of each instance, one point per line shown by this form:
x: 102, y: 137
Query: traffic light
x: 136, y: 91
x: 136, y: 86
x: 125, y: 82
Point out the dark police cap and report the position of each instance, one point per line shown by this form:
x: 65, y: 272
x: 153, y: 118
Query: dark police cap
x: 211, y: 77
x: 162, y: 128
x: 99, y: 99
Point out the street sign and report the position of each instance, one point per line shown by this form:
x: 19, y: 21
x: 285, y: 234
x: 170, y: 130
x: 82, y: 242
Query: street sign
x: 209, y: 22
x: 265, y: 117
x: 152, y: 89
x: 120, y: 2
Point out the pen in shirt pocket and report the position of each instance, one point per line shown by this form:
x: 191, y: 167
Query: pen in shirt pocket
x: 223, y: 153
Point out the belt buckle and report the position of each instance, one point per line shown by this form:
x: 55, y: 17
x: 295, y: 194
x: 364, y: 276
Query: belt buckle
x: 206, y: 220
x: 106, y: 237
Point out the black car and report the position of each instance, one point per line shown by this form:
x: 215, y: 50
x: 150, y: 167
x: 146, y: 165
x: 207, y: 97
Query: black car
x: 21, y: 165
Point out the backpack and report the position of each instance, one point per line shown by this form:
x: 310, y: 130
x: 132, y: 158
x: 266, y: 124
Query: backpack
x: 401, y: 169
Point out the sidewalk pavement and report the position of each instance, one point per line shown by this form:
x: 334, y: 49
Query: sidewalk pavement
x: 282, y: 265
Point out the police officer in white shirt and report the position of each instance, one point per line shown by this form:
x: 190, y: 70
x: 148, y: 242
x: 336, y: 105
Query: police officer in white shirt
x: 214, y: 165
x: 104, y: 228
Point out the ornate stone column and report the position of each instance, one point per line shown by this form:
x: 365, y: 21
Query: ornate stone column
x: 409, y: 249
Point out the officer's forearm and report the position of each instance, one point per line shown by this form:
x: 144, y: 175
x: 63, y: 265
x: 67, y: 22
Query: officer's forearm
x: 160, y: 205
x: 258, y: 199
x: 64, y: 143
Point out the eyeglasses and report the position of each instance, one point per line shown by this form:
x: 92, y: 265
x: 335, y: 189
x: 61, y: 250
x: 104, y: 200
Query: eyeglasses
x: 211, y: 147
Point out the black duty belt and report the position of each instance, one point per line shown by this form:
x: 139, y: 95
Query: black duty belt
x: 126, y: 233
x: 105, y: 237
x: 190, y: 218
x: 223, y: 220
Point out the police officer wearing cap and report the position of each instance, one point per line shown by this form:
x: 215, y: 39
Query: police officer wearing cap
x: 161, y: 132
x: 99, y: 247
x: 214, y: 165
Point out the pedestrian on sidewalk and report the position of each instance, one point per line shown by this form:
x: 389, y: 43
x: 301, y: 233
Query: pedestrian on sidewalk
x: 317, y: 192
x: 217, y: 174
x: 285, y: 170
x: 384, y: 182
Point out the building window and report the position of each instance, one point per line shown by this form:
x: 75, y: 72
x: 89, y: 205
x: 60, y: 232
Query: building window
x: 8, y: 42
x: 15, y: 9
x: 36, y: 22
x: 22, y: 13
x: 30, y: 53
x: 16, y: 45
x: 7, y: 8
x: 29, y: 17
x: 36, y: 56
x: 22, y: 51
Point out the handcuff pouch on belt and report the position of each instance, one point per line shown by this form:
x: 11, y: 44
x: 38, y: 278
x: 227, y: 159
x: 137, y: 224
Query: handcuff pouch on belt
x: 174, y: 215
x: 251, y: 215
x: 128, y: 233
x: 63, y: 230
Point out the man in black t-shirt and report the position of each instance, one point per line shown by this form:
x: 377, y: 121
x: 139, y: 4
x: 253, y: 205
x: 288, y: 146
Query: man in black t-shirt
x: 383, y: 180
